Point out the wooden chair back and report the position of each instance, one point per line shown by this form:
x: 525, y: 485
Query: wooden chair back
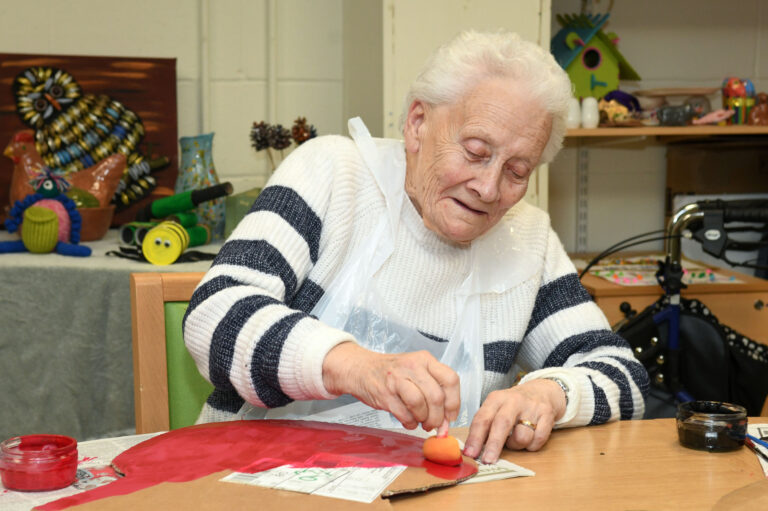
x: 149, y: 294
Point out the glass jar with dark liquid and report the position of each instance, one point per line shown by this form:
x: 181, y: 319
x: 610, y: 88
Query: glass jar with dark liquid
x: 711, y: 425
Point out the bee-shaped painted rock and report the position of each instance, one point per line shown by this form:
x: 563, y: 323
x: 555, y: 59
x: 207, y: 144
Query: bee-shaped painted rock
x: 74, y: 130
x: 48, y: 220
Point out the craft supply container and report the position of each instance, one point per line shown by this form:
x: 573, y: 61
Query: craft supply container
x: 711, y: 425
x: 38, y: 462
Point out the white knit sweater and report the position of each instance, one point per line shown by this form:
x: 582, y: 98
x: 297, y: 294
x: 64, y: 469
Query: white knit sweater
x: 248, y: 325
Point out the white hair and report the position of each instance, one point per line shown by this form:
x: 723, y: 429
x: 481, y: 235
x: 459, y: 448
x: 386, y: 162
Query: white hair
x: 469, y: 58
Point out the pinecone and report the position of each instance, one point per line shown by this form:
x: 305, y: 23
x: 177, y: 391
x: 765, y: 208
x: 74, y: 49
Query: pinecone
x: 301, y: 132
x: 279, y: 138
x: 259, y: 135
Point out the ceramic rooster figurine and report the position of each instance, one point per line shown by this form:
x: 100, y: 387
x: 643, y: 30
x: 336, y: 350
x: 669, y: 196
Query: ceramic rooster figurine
x: 48, y: 219
x: 100, y: 180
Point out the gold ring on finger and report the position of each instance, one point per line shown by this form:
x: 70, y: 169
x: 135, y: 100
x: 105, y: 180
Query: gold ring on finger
x: 527, y: 424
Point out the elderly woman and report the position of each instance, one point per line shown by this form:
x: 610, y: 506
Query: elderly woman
x: 378, y: 281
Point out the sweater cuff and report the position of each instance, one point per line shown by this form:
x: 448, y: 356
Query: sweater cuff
x: 574, y: 395
x: 301, y: 361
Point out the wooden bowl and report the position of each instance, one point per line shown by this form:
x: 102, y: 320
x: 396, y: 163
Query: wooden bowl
x: 95, y: 222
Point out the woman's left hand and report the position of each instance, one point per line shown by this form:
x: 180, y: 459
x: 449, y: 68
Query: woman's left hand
x: 520, y: 417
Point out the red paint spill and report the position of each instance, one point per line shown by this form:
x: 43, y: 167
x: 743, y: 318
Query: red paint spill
x: 253, y: 446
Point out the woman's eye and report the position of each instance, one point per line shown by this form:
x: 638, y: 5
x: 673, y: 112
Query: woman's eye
x: 517, y: 173
x: 473, y: 155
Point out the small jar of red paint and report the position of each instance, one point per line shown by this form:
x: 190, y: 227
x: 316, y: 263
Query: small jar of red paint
x: 38, y: 462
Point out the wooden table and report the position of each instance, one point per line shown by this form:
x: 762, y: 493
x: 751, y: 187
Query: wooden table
x: 628, y: 465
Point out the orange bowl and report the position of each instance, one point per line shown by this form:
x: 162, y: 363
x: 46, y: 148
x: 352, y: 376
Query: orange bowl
x: 95, y: 222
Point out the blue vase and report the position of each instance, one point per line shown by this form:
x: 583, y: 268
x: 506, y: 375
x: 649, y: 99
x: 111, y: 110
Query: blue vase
x: 196, y: 172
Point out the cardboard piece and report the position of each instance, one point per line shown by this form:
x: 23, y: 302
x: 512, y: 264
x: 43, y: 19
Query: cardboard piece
x: 188, y: 463
x: 210, y: 494
x: 418, y: 480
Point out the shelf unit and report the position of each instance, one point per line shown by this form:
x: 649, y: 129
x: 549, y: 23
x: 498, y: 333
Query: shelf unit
x: 586, y: 138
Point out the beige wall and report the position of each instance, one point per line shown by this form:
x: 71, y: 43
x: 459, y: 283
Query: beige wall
x: 234, y: 66
x: 271, y: 60
x: 680, y: 43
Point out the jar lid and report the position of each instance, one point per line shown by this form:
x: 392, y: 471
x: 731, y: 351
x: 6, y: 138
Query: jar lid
x: 37, y: 446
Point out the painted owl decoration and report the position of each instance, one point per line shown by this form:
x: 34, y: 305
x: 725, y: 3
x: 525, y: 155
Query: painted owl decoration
x: 74, y: 130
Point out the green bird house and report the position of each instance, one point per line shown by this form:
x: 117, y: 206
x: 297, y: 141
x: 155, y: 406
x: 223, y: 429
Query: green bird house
x: 589, y: 55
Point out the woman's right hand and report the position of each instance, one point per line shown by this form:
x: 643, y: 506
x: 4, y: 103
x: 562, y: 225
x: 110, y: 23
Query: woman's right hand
x: 414, y: 387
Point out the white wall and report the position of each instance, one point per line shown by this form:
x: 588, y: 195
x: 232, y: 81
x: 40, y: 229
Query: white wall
x: 682, y: 43
x: 234, y: 66
x: 275, y: 61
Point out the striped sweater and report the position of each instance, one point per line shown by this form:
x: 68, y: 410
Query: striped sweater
x: 250, y: 331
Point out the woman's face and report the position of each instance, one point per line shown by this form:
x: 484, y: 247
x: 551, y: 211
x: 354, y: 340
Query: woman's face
x: 469, y: 162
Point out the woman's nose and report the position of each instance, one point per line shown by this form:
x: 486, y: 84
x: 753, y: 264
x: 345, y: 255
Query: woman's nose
x: 486, y: 184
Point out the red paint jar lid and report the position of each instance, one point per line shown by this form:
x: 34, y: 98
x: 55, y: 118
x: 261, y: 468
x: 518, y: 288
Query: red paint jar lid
x: 38, y: 462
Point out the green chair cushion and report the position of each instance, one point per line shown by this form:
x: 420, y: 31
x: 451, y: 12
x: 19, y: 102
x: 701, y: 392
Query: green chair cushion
x: 187, y: 389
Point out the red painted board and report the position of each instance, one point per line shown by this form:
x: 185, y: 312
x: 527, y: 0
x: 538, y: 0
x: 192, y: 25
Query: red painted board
x: 189, y: 454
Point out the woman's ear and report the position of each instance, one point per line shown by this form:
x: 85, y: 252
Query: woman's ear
x: 414, y: 123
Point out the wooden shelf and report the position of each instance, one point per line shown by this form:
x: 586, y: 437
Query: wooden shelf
x: 662, y: 131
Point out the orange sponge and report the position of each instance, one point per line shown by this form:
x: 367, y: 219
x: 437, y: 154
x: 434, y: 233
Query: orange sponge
x: 444, y: 450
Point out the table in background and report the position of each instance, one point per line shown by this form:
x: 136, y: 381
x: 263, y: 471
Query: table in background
x: 743, y: 306
x: 65, y: 340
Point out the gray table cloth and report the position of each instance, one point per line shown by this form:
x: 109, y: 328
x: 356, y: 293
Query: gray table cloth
x: 65, y: 341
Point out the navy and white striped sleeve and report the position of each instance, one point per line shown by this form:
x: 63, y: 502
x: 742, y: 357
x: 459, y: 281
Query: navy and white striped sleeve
x: 248, y: 325
x: 569, y: 337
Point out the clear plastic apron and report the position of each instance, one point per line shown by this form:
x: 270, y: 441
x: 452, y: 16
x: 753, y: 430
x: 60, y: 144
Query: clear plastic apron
x: 352, y: 301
